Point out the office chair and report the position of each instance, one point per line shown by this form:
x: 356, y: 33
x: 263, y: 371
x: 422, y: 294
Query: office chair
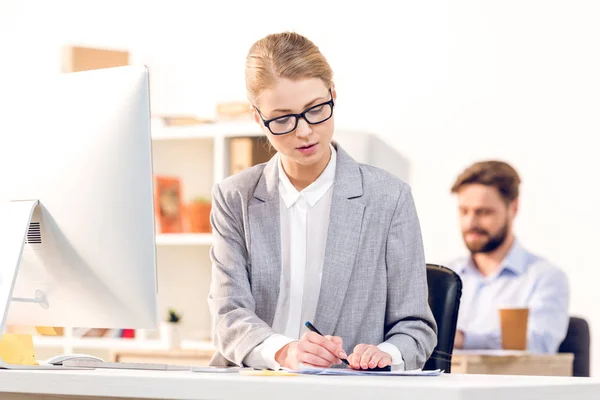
x: 445, y: 290
x: 577, y: 342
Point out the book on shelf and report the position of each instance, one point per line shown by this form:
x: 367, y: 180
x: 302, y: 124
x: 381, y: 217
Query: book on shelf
x: 245, y: 152
x: 234, y: 110
x: 168, y: 204
x: 79, y: 58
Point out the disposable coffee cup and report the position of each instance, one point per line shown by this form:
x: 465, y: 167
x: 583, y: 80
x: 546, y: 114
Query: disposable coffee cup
x: 513, y: 324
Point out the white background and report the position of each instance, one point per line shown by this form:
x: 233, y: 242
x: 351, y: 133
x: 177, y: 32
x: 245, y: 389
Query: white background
x: 443, y: 83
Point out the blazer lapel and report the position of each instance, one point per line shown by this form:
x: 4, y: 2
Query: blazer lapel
x: 343, y: 238
x: 265, y: 246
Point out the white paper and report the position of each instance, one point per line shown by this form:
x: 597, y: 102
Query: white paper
x: 347, y: 371
x: 215, y: 369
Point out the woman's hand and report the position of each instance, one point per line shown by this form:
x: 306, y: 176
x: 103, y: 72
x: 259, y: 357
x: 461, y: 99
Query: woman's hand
x: 313, y: 350
x: 367, y: 356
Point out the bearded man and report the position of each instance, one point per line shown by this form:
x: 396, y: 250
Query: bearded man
x: 499, y: 272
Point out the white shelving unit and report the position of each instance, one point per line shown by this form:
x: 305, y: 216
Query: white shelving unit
x: 206, y: 131
x: 114, y: 344
x: 199, y: 156
x: 184, y: 239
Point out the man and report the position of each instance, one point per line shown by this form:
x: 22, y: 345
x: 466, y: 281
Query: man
x: 500, y: 272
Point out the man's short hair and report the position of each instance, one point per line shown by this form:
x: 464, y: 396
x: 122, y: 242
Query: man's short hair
x: 493, y: 173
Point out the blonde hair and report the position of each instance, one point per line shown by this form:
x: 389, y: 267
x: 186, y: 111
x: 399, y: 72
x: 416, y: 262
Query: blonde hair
x: 285, y: 55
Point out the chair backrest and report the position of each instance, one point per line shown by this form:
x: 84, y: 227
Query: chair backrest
x: 445, y: 290
x: 577, y: 342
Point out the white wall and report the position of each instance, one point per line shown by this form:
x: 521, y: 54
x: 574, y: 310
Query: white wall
x: 444, y: 83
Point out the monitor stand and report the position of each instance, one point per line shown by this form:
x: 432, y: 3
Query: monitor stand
x: 15, y: 217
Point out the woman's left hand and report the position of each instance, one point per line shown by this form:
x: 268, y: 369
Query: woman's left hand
x: 367, y: 356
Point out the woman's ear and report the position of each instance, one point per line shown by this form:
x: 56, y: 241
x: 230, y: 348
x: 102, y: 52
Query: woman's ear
x: 259, y: 121
x: 256, y: 116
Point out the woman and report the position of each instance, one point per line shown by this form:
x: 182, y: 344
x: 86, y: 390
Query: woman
x: 313, y: 236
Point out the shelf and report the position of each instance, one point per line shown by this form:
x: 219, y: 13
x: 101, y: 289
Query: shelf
x: 184, y: 239
x: 206, y: 131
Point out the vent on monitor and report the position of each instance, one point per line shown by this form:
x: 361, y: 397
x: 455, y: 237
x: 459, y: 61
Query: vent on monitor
x: 34, y: 234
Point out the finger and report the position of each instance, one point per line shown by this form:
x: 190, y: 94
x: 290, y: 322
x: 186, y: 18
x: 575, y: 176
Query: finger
x: 333, y: 346
x: 366, y: 357
x: 336, y: 339
x: 354, y: 362
x: 357, y: 355
x: 385, y: 360
x: 334, y: 349
x: 376, y: 358
x: 317, y: 350
x: 351, y: 359
x: 313, y: 360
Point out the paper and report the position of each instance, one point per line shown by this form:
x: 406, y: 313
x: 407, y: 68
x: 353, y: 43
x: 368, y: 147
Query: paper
x: 346, y: 371
x: 17, y: 349
x: 224, y: 370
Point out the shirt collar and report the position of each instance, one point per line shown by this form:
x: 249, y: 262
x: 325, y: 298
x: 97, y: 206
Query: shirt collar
x: 515, y: 261
x: 313, y: 192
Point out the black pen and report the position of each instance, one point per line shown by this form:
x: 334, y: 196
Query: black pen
x: 315, y: 330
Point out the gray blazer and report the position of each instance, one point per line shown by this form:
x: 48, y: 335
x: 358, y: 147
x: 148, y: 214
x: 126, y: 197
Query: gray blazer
x: 373, y: 287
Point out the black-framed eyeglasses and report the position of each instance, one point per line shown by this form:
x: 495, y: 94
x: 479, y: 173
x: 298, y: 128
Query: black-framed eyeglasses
x: 313, y: 115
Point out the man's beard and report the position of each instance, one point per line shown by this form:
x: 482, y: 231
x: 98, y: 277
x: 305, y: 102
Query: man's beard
x: 491, y: 244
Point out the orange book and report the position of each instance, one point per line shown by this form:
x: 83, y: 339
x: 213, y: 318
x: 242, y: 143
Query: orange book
x: 168, y: 204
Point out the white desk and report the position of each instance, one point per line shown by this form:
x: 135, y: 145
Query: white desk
x: 28, y: 385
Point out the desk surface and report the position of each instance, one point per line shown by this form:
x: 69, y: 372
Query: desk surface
x: 189, y: 385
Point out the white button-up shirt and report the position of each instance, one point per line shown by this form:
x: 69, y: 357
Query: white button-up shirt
x: 523, y: 280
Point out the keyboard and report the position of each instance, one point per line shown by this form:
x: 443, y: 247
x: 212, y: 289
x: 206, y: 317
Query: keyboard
x: 126, y: 365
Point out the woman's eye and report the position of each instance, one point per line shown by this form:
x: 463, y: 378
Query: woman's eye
x: 317, y: 110
x: 284, y: 120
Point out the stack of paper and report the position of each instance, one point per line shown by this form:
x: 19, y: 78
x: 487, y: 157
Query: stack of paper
x: 346, y: 371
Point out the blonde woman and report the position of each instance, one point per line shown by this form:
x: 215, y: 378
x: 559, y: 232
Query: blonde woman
x: 312, y: 235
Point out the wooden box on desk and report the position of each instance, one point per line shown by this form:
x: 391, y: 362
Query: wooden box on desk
x: 511, y: 363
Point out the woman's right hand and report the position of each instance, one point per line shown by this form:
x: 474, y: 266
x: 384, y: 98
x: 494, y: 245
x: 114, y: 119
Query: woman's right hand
x: 312, y: 350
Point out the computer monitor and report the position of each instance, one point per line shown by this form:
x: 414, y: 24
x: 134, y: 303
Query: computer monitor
x: 75, y: 155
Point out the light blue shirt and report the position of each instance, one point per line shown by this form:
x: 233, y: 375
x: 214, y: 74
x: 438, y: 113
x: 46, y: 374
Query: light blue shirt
x: 523, y: 280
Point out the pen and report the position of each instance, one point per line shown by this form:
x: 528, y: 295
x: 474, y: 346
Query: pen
x: 315, y: 330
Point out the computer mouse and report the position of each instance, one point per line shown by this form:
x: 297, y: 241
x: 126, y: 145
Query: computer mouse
x: 58, y: 360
